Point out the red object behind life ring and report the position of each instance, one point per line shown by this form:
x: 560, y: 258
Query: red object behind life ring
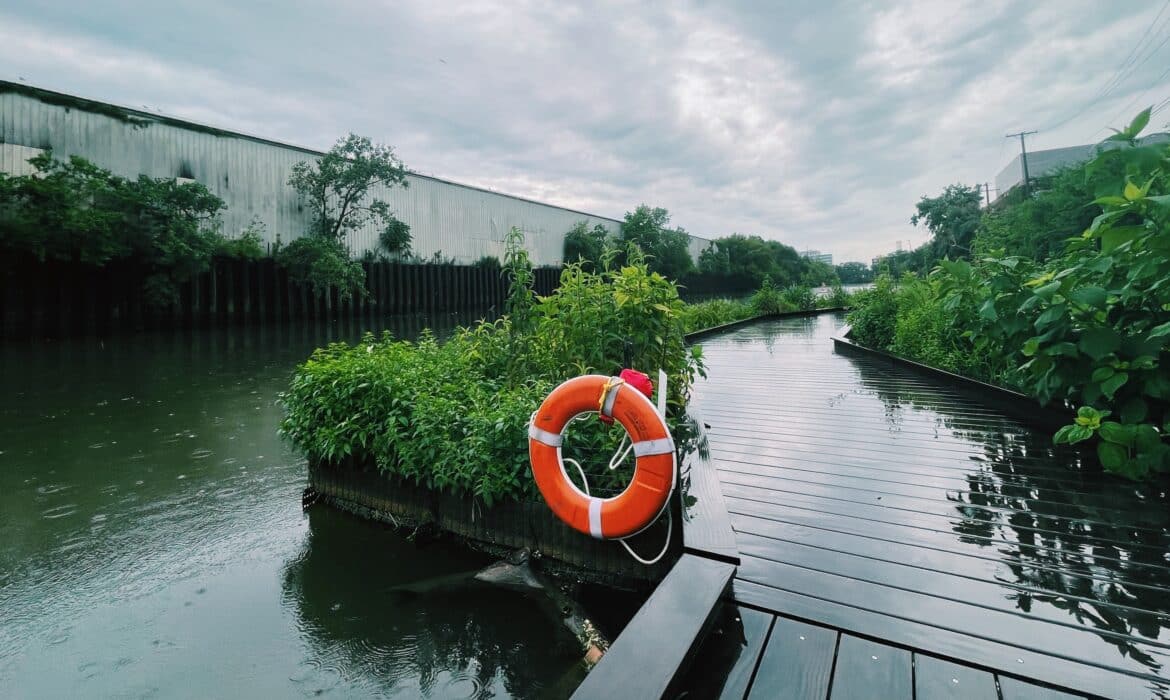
x: 642, y: 502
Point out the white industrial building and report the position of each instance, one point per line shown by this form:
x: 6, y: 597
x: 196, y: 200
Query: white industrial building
x: 251, y: 175
x: 1048, y: 161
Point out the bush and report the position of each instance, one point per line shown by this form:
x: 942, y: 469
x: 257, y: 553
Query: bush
x: 799, y: 298
x: 717, y: 312
x: 322, y: 263
x: 453, y: 417
x: 768, y: 299
x: 249, y: 246
x: 74, y: 211
x: 875, y: 314
x: 1086, y: 330
x: 837, y: 298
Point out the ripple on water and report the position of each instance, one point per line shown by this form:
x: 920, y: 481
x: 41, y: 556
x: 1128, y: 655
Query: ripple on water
x: 49, y: 489
x: 460, y: 685
x: 61, y: 511
x: 201, y: 454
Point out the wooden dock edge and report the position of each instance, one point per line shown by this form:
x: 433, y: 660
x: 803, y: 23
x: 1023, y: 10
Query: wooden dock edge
x: 1017, y: 405
x: 657, y: 645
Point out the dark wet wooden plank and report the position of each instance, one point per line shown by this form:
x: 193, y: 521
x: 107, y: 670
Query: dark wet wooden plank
x: 707, y: 529
x: 648, y: 655
x: 1014, y: 689
x: 868, y: 669
x: 797, y: 662
x: 756, y: 626
x: 935, y: 678
x: 916, y: 633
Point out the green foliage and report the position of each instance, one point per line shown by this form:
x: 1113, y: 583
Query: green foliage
x: 585, y: 245
x: 394, y: 238
x: 745, y: 261
x: 337, y: 187
x: 717, y: 312
x: 798, y: 298
x: 1087, y: 329
x: 1038, y: 227
x: 321, y: 263
x: 74, y: 211
x: 768, y: 299
x: 952, y: 218
x: 837, y: 298
x: 875, y: 314
x: 454, y: 416
x: 854, y: 273
x: 249, y: 246
x: 667, y: 250
x: 490, y: 262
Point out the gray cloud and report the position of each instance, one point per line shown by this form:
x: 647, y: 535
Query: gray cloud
x: 816, y: 125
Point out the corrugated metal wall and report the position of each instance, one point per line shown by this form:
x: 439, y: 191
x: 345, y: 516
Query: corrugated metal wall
x: 251, y: 176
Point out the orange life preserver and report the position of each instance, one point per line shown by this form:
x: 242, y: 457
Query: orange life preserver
x: 642, y: 502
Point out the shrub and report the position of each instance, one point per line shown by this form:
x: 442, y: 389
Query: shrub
x: 875, y: 314
x: 768, y: 299
x: 249, y: 246
x: 708, y: 314
x: 453, y: 417
x: 799, y: 298
x: 321, y: 263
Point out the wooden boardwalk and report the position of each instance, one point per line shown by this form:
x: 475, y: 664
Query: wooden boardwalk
x: 897, y: 538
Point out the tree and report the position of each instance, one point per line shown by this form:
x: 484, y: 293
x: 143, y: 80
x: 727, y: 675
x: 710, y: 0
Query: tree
x: 585, y: 244
x: 744, y: 261
x: 338, y: 184
x: 667, y: 250
x: 75, y: 211
x: 854, y: 273
x: 952, y: 218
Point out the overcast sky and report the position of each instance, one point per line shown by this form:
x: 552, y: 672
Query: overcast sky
x: 818, y: 124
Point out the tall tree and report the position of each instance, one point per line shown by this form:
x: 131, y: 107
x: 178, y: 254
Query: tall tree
x: 338, y: 184
x: 952, y: 219
x: 667, y: 249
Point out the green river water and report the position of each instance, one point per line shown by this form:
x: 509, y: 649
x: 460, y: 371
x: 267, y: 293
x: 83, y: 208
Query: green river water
x: 152, y: 542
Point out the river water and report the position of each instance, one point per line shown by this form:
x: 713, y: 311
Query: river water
x: 152, y: 542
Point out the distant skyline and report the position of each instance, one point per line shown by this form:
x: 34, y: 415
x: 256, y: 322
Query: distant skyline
x: 816, y: 126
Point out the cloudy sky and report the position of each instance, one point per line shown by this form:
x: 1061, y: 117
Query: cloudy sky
x: 819, y: 125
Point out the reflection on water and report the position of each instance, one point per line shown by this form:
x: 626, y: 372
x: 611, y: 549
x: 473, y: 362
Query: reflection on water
x: 1069, y: 540
x: 153, y: 541
x: 469, y: 640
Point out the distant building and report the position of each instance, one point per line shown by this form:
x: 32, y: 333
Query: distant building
x: 250, y: 174
x: 818, y: 256
x: 1041, y: 163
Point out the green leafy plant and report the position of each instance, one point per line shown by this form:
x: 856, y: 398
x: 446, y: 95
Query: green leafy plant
x: 322, y: 263
x: 249, y: 245
x: 74, y: 211
x: 453, y: 416
x: 768, y: 299
x: 1085, y: 329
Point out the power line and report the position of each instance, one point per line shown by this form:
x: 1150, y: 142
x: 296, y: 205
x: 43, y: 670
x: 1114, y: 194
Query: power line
x: 1122, y: 71
x: 1129, y: 105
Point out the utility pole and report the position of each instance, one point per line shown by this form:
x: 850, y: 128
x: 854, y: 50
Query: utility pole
x: 1023, y: 158
x: 987, y: 193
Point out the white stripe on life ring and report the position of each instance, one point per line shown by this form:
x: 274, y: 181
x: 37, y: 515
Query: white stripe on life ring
x: 544, y: 436
x: 595, y: 517
x: 661, y: 446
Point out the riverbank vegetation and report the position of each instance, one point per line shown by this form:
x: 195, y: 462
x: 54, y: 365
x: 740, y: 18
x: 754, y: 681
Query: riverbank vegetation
x: 1064, y: 296
x: 453, y: 416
